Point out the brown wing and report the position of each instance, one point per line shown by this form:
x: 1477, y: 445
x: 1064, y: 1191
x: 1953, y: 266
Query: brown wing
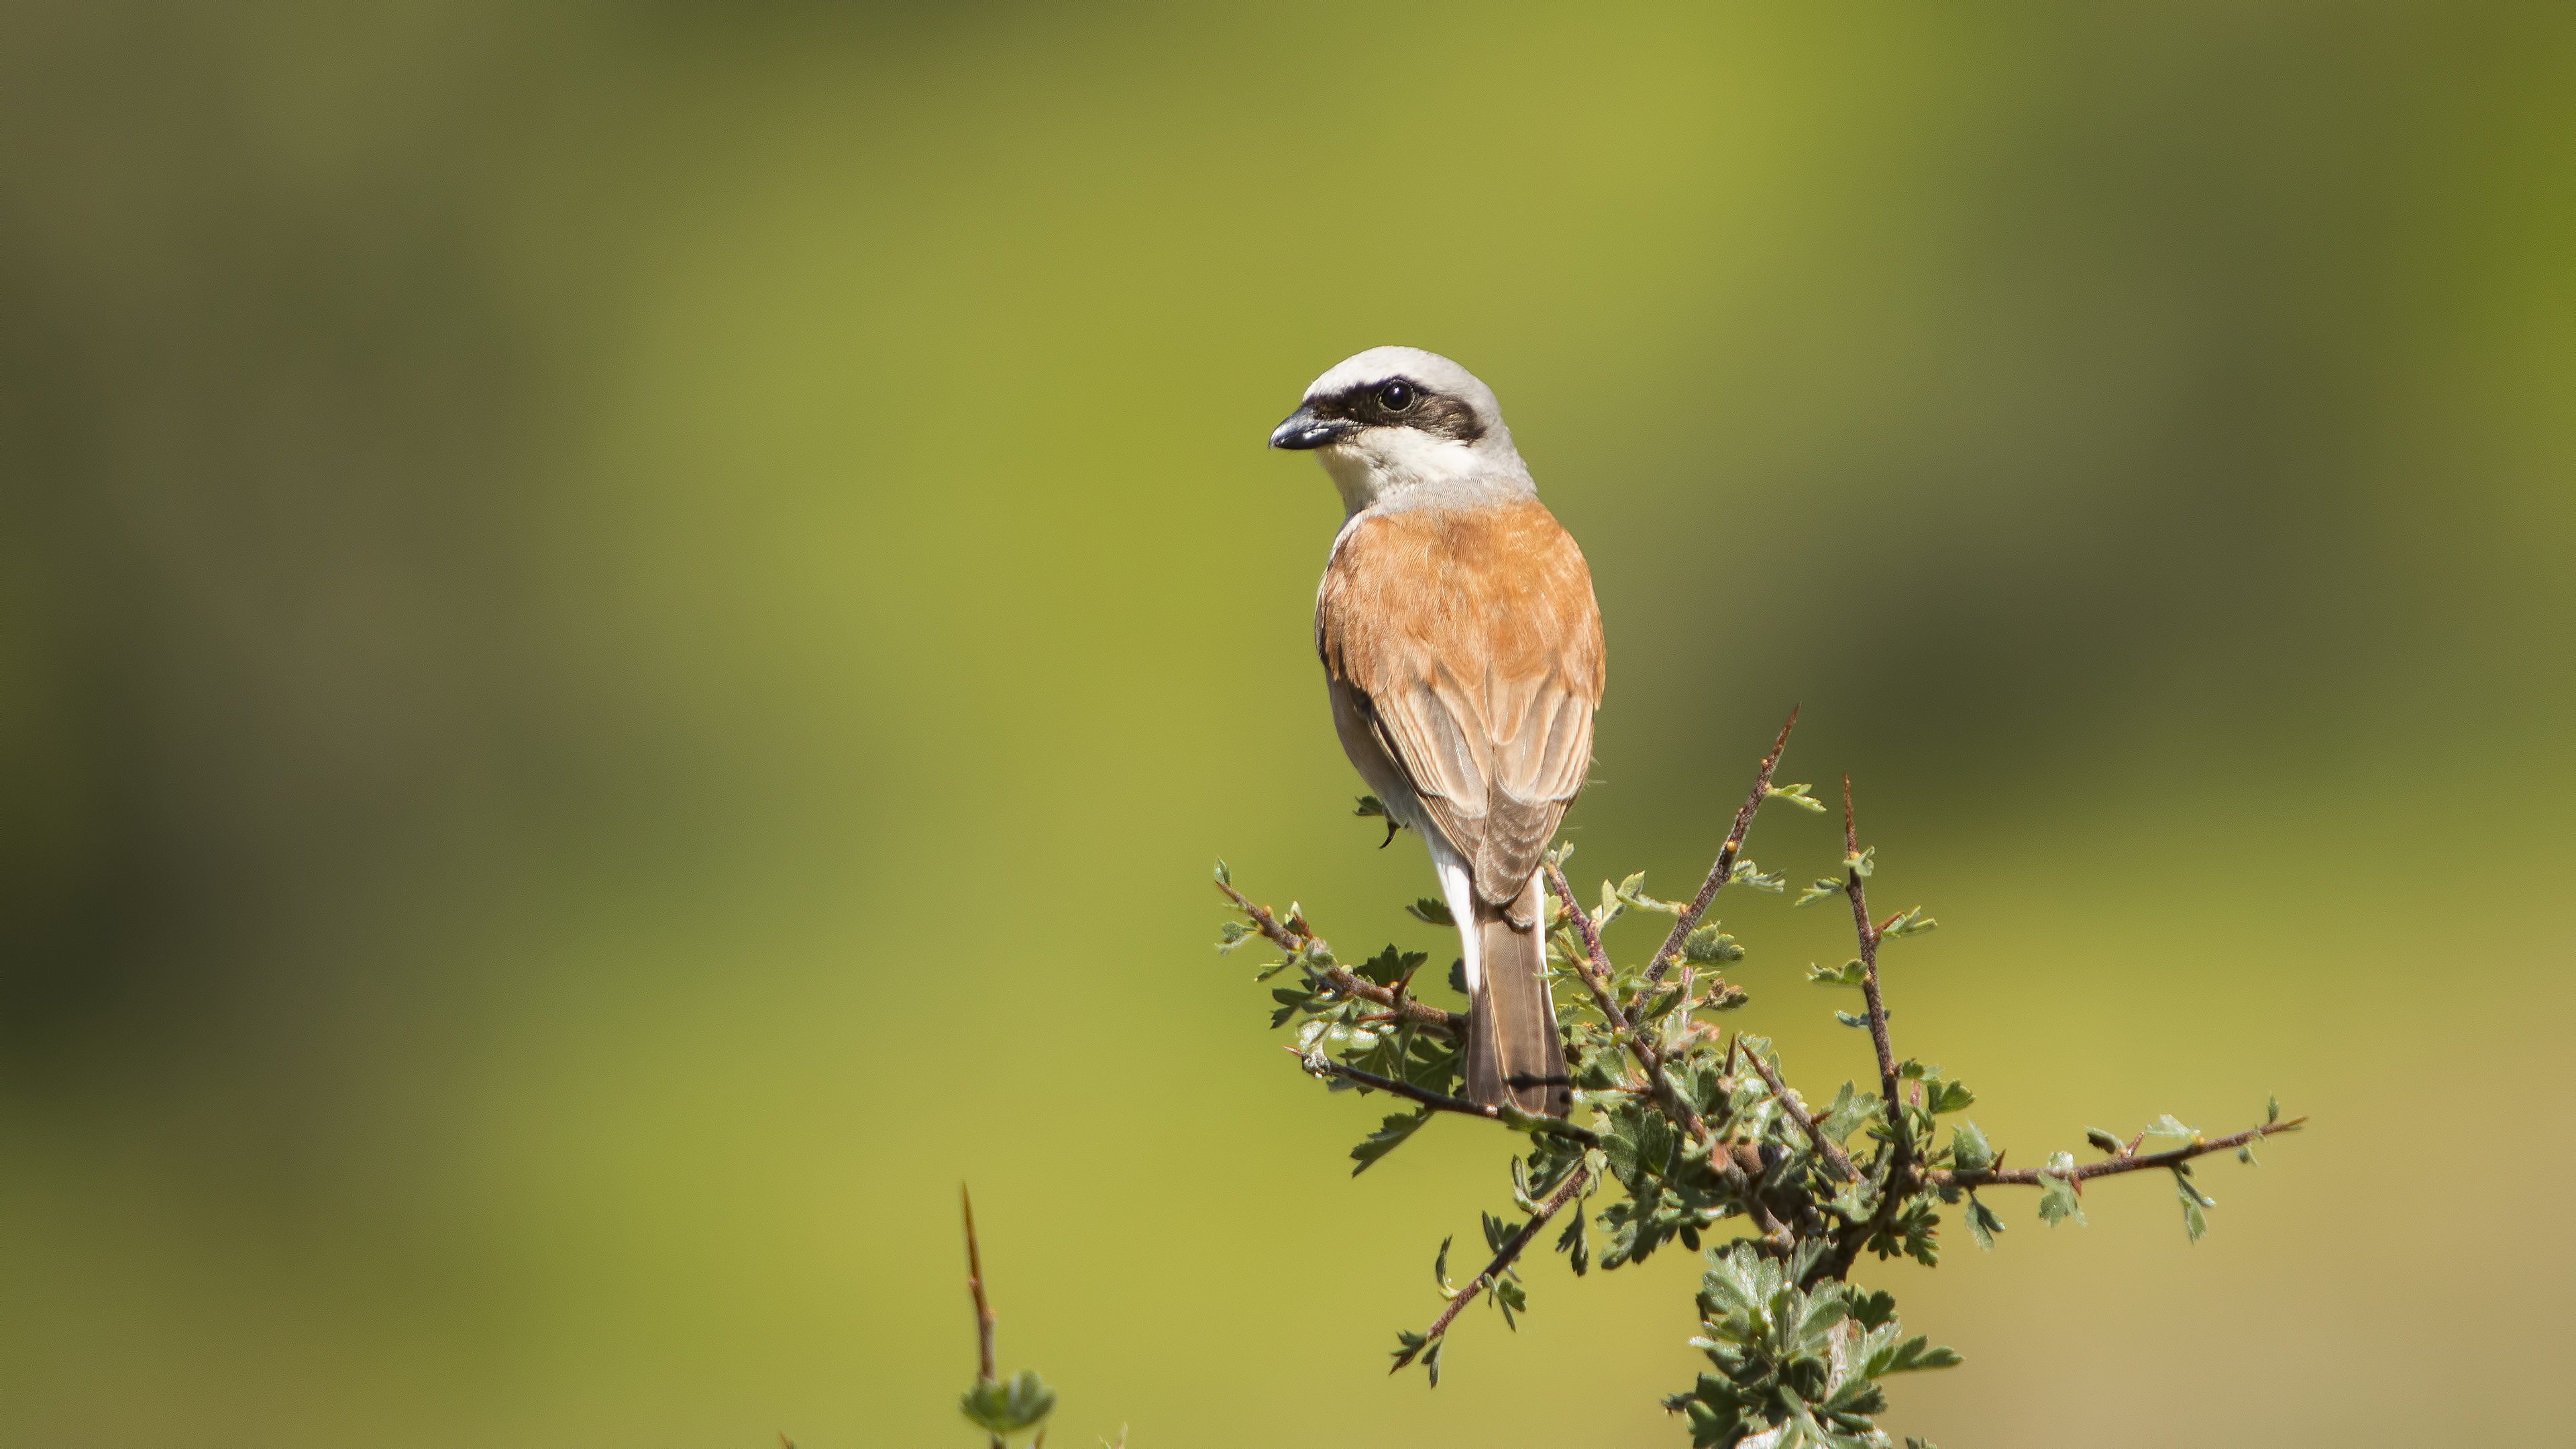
x: 1472, y: 642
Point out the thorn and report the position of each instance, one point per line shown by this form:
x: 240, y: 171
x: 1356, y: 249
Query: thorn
x: 1781, y: 745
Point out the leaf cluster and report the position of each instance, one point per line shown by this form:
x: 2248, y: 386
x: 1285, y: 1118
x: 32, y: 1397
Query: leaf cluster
x: 1804, y: 1361
x: 1004, y: 1407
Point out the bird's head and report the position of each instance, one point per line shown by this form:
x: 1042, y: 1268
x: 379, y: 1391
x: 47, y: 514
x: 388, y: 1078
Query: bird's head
x: 1398, y: 424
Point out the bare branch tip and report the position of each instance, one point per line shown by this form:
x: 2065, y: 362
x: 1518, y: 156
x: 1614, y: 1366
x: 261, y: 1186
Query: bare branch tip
x: 1781, y: 745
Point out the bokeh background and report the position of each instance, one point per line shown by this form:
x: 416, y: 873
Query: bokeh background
x: 626, y: 632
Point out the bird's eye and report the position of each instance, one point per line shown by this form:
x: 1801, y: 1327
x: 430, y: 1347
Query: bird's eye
x: 1398, y: 396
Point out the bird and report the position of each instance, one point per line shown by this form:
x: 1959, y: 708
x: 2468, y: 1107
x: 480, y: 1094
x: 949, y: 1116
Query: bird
x: 1463, y: 655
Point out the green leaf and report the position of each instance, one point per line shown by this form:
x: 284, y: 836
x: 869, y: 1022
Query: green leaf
x: 1632, y: 893
x: 1390, y: 1135
x: 2166, y: 1126
x: 1509, y: 1295
x: 1982, y: 1223
x: 2271, y: 1110
x: 1863, y: 864
x: 2057, y: 1198
x: 1795, y: 795
x: 1914, y: 1356
x: 1573, y: 1243
x: 1223, y: 875
x: 1432, y: 1067
x: 2103, y: 1140
x: 1007, y: 1406
x: 1389, y: 966
x: 2194, y: 1221
x: 1431, y: 1360
x: 1747, y: 874
x: 1709, y: 944
x: 1848, y: 1019
x: 1912, y: 1233
x: 1941, y: 1097
x: 1291, y: 999
x: 1850, y: 973
x: 1873, y: 1310
x: 1605, y: 910
x: 1434, y: 911
x: 1910, y: 923
x: 1822, y: 888
x: 1851, y: 1108
x: 1969, y: 1149
x: 1370, y: 805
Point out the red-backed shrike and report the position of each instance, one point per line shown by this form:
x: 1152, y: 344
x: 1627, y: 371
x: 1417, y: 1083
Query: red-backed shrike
x: 1462, y: 648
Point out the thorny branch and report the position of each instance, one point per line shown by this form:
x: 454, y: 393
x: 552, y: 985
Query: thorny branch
x: 1594, y: 968
x: 1887, y: 1204
x: 1826, y: 1147
x: 1292, y: 937
x: 1438, y: 1102
x: 2109, y: 1166
x: 1868, y: 934
x: 1719, y: 874
x: 983, y: 1311
x: 1511, y: 1251
x: 1900, y: 1164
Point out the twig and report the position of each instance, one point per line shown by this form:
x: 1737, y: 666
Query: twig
x: 1899, y: 1183
x: 1342, y: 979
x: 1724, y: 870
x: 1868, y: 935
x: 1594, y: 968
x: 1595, y: 972
x: 1826, y: 1147
x: 1556, y: 1201
x: 983, y: 1310
x: 2109, y: 1166
x: 1439, y: 1103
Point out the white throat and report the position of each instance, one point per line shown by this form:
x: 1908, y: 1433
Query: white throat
x: 1390, y: 469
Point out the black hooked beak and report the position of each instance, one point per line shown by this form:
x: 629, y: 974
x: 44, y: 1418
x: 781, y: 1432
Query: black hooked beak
x: 1305, y: 430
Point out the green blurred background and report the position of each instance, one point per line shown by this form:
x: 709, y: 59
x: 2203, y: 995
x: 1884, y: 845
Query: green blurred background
x: 626, y: 632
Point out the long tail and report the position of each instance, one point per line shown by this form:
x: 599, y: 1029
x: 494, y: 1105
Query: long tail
x: 1512, y: 1048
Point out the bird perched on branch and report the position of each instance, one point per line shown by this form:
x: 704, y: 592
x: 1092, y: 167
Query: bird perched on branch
x: 1462, y: 649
